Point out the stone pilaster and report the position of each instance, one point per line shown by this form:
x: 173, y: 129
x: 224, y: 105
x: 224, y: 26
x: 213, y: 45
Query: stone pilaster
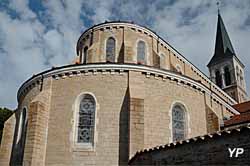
x: 35, y: 148
x: 212, y: 121
x: 7, y: 141
x: 136, y: 126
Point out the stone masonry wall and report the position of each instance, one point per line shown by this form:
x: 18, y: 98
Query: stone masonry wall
x: 110, y: 146
x: 203, y: 151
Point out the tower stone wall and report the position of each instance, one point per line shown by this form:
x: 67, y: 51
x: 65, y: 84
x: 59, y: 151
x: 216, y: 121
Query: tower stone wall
x: 226, y: 70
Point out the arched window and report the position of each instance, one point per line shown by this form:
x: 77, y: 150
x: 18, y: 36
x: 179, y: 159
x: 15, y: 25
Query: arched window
x: 178, y: 123
x: 21, y: 124
x: 110, y: 50
x: 162, y: 61
x: 237, y: 74
x: 218, y: 78
x: 141, y: 51
x: 227, y: 76
x: 85, y: 54
x: 241, y: 78
x: 86, y: 120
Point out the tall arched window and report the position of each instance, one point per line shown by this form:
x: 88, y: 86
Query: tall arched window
x: 85, y: 54
x: 86, y: 120
x: 227, y: 76
x: 21, y: 124
x: 141, y: 51
x: 110, y: 50
x: 218, y: 78
x: 162, y: 61
x: 178, y: 123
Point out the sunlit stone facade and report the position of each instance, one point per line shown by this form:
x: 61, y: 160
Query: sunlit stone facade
x: 117, y: 99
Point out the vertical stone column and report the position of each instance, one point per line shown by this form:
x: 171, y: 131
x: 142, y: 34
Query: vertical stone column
x: 212, y: 121
x: 136, y: 126
x: 7, y: 141
x: 35, y: 148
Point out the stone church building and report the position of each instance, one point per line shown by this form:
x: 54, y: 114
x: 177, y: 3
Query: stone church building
x: 128, y: 90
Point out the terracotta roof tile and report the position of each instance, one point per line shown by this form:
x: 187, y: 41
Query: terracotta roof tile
x: 238, y: 119
x: 242, y: 107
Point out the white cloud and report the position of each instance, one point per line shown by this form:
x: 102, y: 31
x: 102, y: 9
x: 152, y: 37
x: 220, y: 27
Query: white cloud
x: 27, y: 46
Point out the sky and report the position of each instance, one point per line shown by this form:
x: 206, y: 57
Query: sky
x: 36, y: 35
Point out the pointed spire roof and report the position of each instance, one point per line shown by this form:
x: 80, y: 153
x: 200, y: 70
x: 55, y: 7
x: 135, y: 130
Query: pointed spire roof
x: 223, y: 46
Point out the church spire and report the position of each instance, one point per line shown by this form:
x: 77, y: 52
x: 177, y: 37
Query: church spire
x: 225, y: 69
x: 223, y: 45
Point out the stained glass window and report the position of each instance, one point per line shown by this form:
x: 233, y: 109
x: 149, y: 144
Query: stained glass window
x: 110, y: 50
x: 141, y: 52
x: 86, y: 123
x: 178, y: 123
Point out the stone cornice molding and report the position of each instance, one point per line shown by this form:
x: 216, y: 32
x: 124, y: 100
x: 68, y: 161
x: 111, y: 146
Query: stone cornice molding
x: 78, y: 70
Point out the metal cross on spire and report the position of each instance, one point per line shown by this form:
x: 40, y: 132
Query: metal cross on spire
x: 218, y: 6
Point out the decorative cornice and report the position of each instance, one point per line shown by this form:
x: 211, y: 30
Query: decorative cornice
x: 85, y: 69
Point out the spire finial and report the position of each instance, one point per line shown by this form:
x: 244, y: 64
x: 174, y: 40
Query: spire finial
x: 218, y: 6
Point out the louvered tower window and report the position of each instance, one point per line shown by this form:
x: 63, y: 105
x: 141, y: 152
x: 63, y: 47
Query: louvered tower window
x: 218, y: 78
x: 227, y: 76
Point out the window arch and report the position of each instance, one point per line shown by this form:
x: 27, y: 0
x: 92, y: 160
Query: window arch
x: 141, y: 51
x: 21, y: 124
x: 85, y: 54
x: 227, y: 76
x: 178, y: 69
x: 110, y: 50
x: 218, y: 78
x: 86, y: 120
x: 178, y: 122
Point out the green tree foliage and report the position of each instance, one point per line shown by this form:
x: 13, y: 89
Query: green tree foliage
x: 4, y: 115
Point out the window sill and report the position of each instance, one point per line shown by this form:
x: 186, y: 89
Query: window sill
x: 83, y: 148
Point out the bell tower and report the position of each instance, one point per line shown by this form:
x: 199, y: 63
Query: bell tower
x: 225, y: 68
